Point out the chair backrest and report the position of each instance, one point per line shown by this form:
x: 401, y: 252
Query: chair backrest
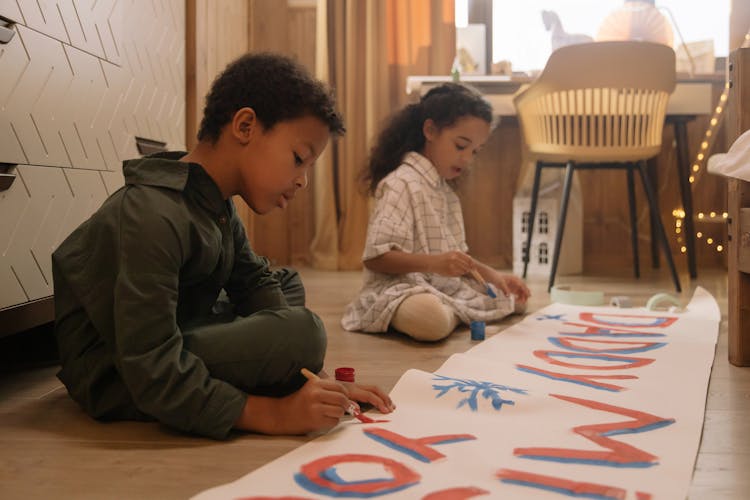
x: 601, y: 101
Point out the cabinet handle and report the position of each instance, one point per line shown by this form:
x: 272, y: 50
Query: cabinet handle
x: 6, y: 178
x: 6, y: 30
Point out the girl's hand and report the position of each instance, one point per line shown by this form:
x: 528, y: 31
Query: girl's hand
x: 452, y: 263
x: 514, y: 285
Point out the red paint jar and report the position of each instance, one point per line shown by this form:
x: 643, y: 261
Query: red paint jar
x: 345, y: 374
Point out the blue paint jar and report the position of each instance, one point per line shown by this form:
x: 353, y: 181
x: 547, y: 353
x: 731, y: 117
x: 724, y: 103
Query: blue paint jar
x: 477, y: 330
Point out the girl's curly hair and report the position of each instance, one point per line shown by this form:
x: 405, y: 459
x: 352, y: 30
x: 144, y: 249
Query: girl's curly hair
x: 444, y: 105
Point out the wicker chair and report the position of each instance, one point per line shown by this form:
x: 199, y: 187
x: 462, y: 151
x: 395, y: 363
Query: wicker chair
x: 599, y: 106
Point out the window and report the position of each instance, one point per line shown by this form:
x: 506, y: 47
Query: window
x: 543, y: 259
x: 524, y: 252
x: 525, y: 223
x: 519, y: 35
x: 543, y: 223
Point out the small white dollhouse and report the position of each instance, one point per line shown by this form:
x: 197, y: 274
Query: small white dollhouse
x: 545, y: 227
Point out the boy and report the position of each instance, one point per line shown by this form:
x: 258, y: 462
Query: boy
x: 140, y: 332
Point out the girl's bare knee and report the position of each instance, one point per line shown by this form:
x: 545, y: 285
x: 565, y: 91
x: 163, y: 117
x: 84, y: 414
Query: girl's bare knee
x: 425, y: 318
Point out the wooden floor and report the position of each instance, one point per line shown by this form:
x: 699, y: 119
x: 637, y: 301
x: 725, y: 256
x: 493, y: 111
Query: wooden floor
x: 50, y: 449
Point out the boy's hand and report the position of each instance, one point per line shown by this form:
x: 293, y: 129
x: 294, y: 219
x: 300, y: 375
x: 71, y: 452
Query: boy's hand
x: 370, y: 394
x: 316, y: 406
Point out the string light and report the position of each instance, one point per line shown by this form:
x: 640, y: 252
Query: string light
x: 700, y: 158
x: 714, y: 217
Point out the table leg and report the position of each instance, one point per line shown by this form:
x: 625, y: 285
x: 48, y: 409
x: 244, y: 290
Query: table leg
x: 683, y: 174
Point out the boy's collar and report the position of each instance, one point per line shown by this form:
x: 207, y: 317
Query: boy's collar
x: 168, y: 171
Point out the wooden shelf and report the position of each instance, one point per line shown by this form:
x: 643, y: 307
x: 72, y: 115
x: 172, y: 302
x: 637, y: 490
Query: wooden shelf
x: 738, y: 121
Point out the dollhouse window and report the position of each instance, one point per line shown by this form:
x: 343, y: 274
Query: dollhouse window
x: 525, y: 223
x: 543, y: 223
x: 543, y: 254
x: 524, y: 252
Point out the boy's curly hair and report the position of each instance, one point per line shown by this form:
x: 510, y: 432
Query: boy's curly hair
x: 276, y: 87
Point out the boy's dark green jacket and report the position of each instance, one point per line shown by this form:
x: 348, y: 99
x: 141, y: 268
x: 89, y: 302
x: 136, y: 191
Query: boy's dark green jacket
x: 149, y: 262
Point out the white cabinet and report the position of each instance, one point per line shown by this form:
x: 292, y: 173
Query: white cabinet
x: 79, y: 81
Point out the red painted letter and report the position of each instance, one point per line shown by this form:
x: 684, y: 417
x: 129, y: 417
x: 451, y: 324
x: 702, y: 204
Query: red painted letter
x: 625, y: 362
x: 618, y: 454
x: 558, y: 485
x: 320, y: 476
x: 416, y: 448
x: 588, y: 380
x: 455, y: 494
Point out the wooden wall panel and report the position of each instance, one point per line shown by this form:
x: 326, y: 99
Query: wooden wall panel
x: 219, y: 32
x: 487, y: 196
x: 739, y: 23
x: 268, y: 31
x: 284, y: 236
x: 301, y: 227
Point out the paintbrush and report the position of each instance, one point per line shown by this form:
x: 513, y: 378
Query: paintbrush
x: 481, y: 280
x: 352, y: 409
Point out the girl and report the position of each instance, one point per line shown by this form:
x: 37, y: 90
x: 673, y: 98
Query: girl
x: 417, y: 272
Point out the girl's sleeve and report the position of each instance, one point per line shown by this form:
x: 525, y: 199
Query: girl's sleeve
x: 392, y: 221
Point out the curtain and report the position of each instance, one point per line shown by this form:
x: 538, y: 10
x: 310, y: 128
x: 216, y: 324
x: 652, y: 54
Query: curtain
x: 365, y: 51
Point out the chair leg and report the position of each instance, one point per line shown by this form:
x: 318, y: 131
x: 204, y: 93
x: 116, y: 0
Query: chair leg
x: 656, y: 218
x: 561, y: 222
x: 532, y: 214
x: 633, y: 221
x: 653, y: 174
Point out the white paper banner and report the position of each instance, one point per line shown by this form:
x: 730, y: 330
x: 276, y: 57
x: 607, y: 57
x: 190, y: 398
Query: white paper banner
x: 583, y: 402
